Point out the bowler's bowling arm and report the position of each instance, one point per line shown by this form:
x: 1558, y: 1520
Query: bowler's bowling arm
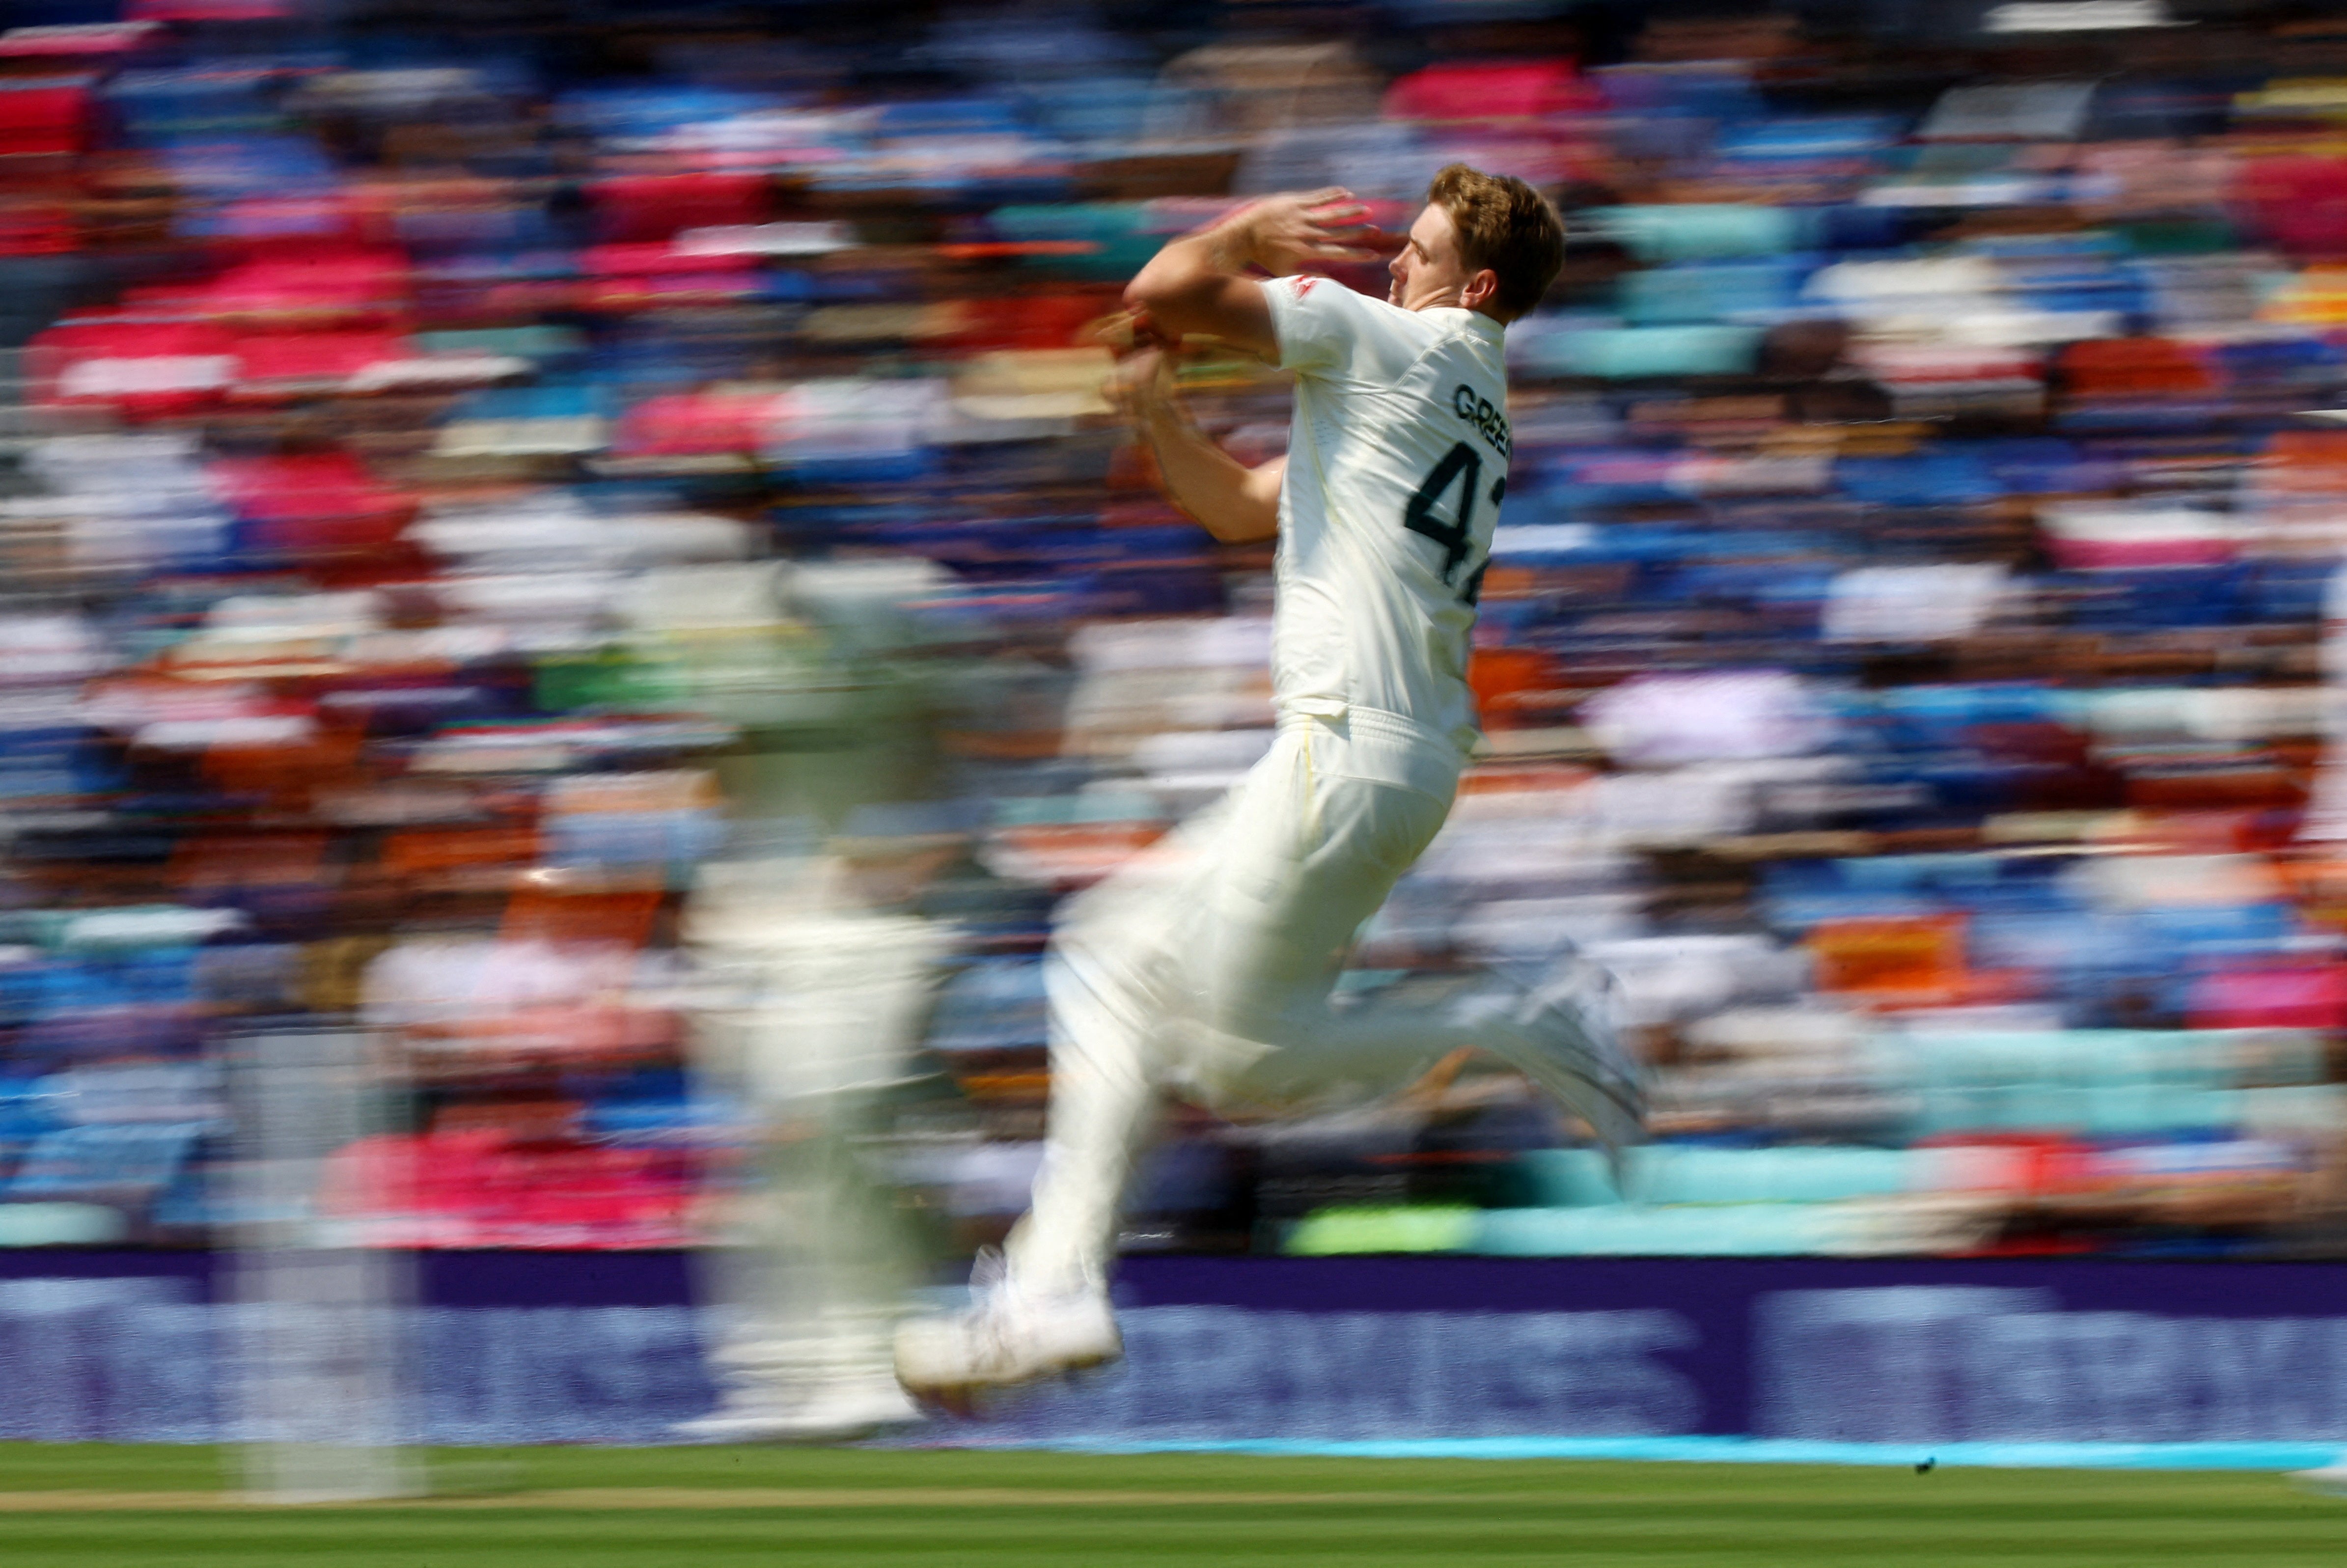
x: 1236, y: 504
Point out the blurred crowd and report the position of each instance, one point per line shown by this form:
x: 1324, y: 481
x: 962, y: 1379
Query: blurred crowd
x: 587, y: 545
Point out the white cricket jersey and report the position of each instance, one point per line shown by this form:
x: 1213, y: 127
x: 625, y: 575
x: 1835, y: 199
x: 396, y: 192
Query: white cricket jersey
x: 1397, y: 459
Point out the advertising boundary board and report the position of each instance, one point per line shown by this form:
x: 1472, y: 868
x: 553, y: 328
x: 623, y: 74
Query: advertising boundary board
x: 1996, y: 1360
x: 1725, y: 1300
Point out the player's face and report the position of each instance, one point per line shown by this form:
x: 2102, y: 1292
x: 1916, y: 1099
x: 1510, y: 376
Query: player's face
x: 1430, y: 271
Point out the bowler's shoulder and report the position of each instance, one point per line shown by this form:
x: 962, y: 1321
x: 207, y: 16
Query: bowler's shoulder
x: 1328, y: 298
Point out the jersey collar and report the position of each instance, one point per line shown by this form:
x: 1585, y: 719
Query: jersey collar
x: 1479, y: 324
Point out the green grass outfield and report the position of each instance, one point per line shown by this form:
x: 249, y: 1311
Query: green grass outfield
x: 94, y: 1506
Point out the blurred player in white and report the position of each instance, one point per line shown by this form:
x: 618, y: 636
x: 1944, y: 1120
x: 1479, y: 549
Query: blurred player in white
x: 1206, y: 967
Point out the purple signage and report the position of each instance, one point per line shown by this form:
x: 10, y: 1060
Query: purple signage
x: 604, y: 1347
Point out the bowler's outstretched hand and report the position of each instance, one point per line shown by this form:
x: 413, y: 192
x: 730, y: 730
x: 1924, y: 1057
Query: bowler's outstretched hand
x: 1297, y: 230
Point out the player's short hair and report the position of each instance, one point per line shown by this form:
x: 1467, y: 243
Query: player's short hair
x: 1503, y: 224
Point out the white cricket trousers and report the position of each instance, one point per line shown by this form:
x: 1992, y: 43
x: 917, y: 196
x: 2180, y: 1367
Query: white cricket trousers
x: 1206, y: 966
x: 821, y: 1016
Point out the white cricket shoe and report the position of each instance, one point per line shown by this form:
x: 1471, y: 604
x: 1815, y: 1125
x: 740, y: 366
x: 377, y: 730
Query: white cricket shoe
x: 1006, y: 1338
x: 840, y: 1411
x: 2331, y: 1477
x: 1569, y: 1023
